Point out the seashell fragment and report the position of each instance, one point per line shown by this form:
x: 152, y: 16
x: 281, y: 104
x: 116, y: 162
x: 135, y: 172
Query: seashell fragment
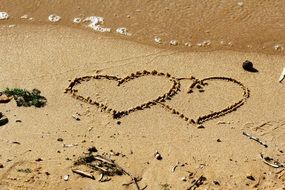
x: 77, y: 20
x: 157, y: 40
x: 95, y: 20
x: 278, y: 47
x: 54, y: 18
x: 173, y: 42
x: 4, y: 16
x: 66, y: 177
x: 157, y: 155
x: 24, y: 17
x: 123, y: 31
x: 282, y: 76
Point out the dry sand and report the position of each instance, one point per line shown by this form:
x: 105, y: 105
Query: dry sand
x: 48, y: 56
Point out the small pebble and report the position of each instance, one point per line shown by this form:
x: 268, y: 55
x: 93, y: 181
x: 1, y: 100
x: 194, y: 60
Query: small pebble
x: 157, y: 40
x: 1, y: 165
x: 92, y: 149
x: 76, y: 117
x: 60, y: 139
x: 54, y: 18
x: 188, y: 44
x: 66, y: 177
x: 248, y: 66
x: 47, y: 173
x: 77, y: 20
x: 123, y: 31
x: 4, y: 16
x: 240, y: 4
x: 216, y: 182
x: 173, y: 42
x: 158, y: 156
x: 184, y: 179
x: 219, y: 140
x: 24, y: 17
x: 39, y: 160
x: 250, y: 177
x: 278, y: 47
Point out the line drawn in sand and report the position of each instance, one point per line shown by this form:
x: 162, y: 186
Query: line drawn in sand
x: 160, y: 100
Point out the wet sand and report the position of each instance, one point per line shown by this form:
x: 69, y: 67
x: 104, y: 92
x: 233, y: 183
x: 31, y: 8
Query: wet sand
x: 49, y: 57
x: 247, y: 26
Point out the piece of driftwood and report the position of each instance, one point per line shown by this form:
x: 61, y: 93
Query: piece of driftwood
x: 106, y: 167
x: 255, y: 139
x: 269, y: 161
x: 84, y: 174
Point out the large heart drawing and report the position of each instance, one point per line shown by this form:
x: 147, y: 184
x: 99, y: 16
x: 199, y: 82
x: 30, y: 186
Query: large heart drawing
x: 160, y: 100
x: 200, y: 85
x: 120, y: 81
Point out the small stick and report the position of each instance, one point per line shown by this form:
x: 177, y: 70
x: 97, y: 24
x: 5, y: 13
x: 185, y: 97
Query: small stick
x: 100, y: 158
x: 274, y: 165
x: 255, y: 139
x: 197, y: 183
x: 135, y: 181
x: 282, y: 76
x: 174, y: 167
x: 84, y: 174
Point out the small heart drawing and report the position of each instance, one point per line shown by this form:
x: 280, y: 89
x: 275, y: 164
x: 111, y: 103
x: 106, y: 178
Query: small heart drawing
x: 220, y: 96
x: 119, y: 83
x: 163, y: 99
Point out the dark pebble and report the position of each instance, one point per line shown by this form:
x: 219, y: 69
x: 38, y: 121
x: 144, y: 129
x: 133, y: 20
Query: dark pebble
x: 47, y: 173
x: 92, y: 149
x: 60, y: 139
x: 39, y: 160
x: 250, y: 177
x: 248, y: 66
x: 216, y: 182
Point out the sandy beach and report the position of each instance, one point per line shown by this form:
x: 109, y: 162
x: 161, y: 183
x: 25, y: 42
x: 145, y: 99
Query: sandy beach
x: 151, y: 120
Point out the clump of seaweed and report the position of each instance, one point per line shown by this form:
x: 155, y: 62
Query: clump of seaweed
x: 101, y: 164
x: 25, y: 98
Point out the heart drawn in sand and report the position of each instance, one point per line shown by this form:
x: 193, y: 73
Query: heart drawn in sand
x: 219, y: 99
x: 120, y: 82
x: 161, y: 99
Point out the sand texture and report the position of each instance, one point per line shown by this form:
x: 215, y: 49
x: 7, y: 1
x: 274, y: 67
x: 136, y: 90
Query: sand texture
x: 135, y: 101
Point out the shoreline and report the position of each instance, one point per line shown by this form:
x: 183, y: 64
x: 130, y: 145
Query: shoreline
x: 165, y: 47
x: 245, y: 37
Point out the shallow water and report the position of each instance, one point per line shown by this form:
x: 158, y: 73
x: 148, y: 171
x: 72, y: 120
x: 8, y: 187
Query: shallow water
x: 248, y: 26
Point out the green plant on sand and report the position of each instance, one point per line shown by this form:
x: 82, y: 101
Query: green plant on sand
x: 25, y: 98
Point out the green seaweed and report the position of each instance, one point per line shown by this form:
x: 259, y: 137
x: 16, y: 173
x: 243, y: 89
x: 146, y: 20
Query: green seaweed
x: 25, y: 98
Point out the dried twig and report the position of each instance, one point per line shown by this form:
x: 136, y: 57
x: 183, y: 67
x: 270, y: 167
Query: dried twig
x: 106, y: 167
x: 267, y: 160
x: 197, y: 182
x: 83, y: 174
x: 135, y: 181
x: 255, y: 139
